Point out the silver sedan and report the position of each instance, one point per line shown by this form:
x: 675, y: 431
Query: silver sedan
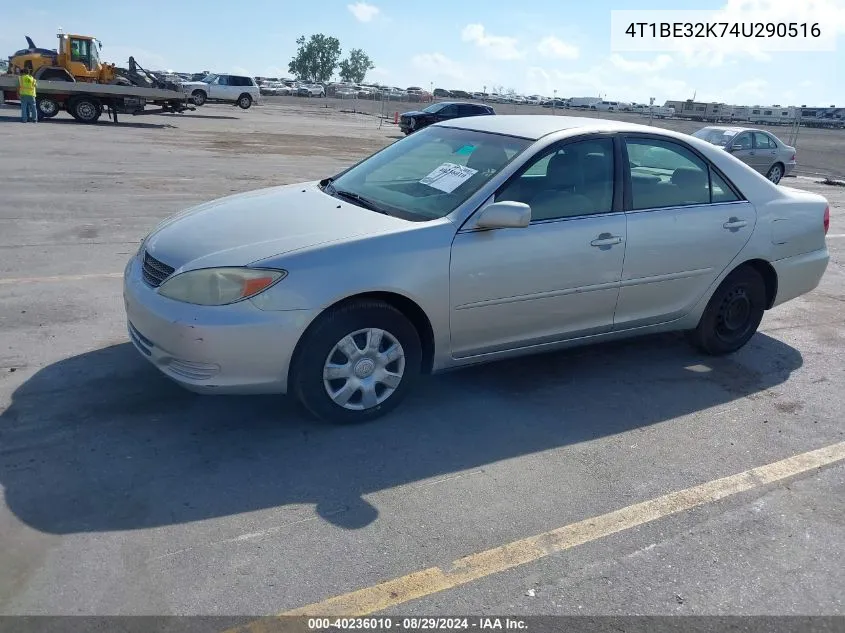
x: 474, y: 240
x: 759, y: 149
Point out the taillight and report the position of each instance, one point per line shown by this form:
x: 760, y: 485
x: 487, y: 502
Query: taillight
x: 792, y: 160
x: 826, y: 220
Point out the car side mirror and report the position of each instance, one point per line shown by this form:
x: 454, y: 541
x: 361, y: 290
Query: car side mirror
x: 504, y: 215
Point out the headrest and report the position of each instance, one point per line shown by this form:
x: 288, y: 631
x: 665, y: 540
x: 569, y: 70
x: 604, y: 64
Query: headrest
x: 564, y: 170
x: 690, y: 177
x: 487, y: 157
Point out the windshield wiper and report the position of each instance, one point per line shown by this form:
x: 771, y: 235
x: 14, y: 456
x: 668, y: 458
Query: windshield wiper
x: 358, y: 199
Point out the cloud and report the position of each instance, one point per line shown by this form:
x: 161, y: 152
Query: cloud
x: 437, y: 65
x: 659, y: 63
x: 746, y: 91
x: 363, y: 11
x: 553, y: 47
x: 500, y: 47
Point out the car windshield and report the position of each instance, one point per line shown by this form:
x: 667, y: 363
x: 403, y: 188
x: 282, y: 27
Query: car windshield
x: 430, y: 173
x: 208, y: 79
x: 434, y: 107
x: 716, y: 136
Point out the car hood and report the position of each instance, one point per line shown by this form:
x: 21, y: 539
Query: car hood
x: 245, y: 228
x: 414, y: 113
x: 194, y: 84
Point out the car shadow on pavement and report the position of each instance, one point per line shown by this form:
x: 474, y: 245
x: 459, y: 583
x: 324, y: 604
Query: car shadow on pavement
x: 103, y: 442
x: 4, y: 118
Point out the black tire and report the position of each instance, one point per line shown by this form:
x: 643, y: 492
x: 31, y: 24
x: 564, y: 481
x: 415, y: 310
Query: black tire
x: 85, y: 109
x: 307, y: 371
x: 732, y: 315
x: 199, y: 97
x: 47, y: 107
x: 244, y: 101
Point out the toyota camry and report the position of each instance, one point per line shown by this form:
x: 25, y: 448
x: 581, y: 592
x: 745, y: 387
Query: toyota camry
x: 472, y: 240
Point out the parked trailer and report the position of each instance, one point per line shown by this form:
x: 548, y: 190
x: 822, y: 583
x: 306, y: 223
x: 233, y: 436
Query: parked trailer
x: 86, y: 102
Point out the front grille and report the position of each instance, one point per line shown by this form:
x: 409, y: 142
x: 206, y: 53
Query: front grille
x: 155, y: 271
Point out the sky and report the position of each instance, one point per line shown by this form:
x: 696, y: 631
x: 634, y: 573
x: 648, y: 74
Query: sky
x: 538, y: 47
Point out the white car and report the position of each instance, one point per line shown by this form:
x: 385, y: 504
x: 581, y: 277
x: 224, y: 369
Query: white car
x: 474, y: 239
x: 235, y: 89
x: 606, y: 106
x: 311, y: 90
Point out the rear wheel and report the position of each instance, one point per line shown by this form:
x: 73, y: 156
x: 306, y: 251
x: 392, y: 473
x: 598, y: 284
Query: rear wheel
x: 356, y: 363
x: 85, y: 109
x: 47, y: 107
x: 733, y: 314
x: 244, y: 101
x: 775, y: 173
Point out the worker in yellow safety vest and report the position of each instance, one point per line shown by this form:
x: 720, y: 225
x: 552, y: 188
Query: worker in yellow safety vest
x: 26, y: 90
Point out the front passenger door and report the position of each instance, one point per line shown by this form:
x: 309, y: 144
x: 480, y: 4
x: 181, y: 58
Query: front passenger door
x: 554, y: 280
x: 448, y: 112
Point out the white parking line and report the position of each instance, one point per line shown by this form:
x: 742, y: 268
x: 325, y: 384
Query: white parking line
x: 836, y: 236
x: 32, y: 280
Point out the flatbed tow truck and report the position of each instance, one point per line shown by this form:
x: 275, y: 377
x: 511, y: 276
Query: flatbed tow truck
x: 71, y: 77
x: 86, y: 102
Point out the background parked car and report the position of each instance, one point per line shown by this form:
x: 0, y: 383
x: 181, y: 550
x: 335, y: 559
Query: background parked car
x: 443, y: 111
x: 311, y: 90
x: 758, y: 149
x: 235, y: 89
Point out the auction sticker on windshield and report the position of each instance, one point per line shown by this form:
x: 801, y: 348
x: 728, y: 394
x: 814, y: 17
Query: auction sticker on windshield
x: 448, y: 177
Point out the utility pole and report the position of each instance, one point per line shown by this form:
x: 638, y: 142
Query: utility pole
x: 650, y: 110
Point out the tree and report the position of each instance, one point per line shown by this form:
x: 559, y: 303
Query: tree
x: 354, y: 68
x: 316, y: 58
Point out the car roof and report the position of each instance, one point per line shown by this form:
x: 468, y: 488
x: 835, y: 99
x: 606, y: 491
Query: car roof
x: 536, y: 126
x: 733, y: 128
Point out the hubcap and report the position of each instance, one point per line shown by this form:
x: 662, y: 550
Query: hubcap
x: 734, y: 315
x: 48, y: 106
x: 364, y: 369
x: 775, y: 174
x: 244, y: 102
x: 86, y: 110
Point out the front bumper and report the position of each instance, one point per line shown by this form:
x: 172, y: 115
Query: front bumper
x: 237, y: 348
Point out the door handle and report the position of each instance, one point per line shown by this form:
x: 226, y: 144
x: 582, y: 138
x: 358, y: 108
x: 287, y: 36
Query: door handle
x: 606, y: 239
x: 734, y: 223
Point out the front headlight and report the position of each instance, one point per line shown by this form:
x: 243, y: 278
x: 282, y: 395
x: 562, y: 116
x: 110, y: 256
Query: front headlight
x: 219, y: 286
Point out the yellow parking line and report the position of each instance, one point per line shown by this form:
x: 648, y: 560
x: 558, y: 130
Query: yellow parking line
x: 435, y: 579
x: 32, y: 280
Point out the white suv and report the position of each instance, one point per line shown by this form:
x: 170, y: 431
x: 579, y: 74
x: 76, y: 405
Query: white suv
x: 235, y: 89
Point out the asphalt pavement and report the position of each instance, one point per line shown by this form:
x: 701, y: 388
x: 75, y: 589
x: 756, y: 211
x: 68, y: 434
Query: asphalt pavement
x: 120, y: 493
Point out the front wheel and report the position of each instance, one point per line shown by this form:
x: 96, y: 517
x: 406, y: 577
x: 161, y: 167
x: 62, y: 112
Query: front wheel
x: 199, y: 97
x: 733, y: 314
x: 356, y: 363
x: 244, y: 102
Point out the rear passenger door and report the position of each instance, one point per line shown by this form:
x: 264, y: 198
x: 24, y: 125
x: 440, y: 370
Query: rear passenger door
x: 686, y: 224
